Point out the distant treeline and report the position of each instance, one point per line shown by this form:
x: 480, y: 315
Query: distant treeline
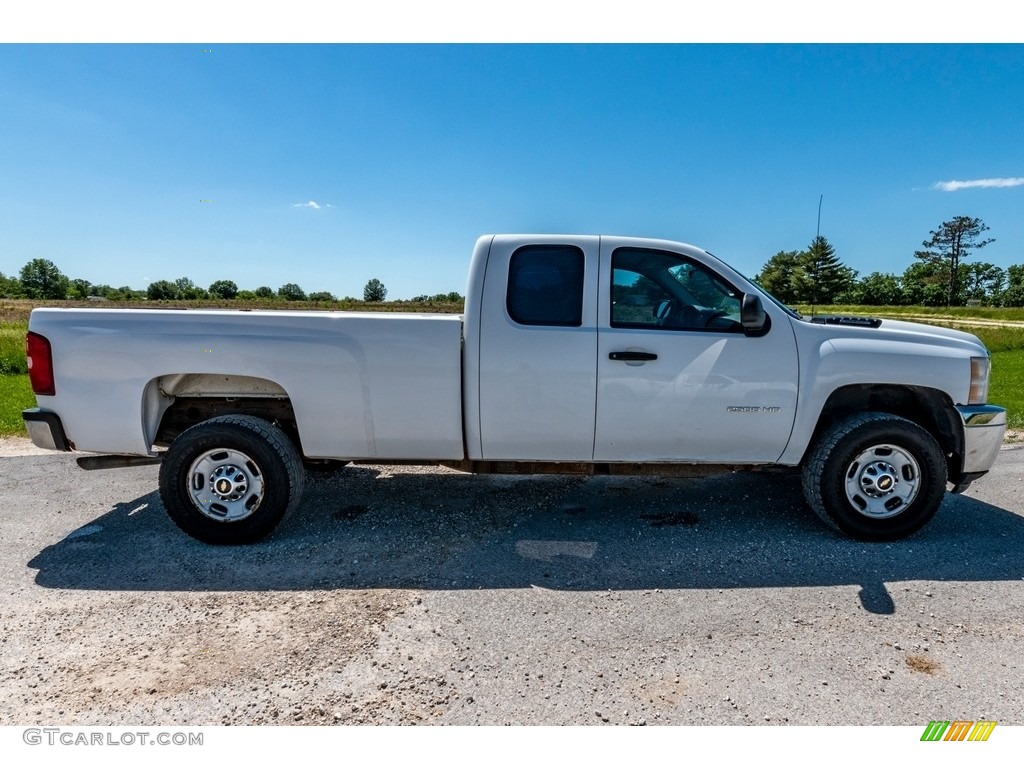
x: 941, y: 275
x: 42, y: 279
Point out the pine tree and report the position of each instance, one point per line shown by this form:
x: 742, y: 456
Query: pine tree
x: 951, y: 244
x: 819, y: 275
x: 374, y: 290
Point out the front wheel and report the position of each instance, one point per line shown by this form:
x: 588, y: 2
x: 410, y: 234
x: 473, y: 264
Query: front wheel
x: 875, y: 477
x: 230, y: 480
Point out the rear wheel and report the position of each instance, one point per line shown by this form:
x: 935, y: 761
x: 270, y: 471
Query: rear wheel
x: 230, y: 480
x: 875, y: 477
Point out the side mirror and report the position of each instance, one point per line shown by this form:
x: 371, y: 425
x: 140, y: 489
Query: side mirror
x: 752, y: 315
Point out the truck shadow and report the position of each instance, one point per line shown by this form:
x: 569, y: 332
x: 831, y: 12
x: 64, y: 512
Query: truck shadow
x: 361, y: 528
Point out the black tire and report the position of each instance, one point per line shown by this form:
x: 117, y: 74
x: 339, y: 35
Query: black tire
x: 230, y: 480
x: 875, y: 477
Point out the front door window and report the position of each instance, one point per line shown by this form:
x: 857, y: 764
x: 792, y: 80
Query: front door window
x: 666, y: 290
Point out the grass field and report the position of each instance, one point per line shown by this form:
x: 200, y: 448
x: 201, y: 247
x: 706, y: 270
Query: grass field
x: 15, y: 392
x: 1003, y: 314
x: 12, y: 348
x: 1006, y: 343
x: 1007, y: 385
x: 15, y: 396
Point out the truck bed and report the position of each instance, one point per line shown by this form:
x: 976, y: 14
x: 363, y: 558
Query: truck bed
x: 362, y: 385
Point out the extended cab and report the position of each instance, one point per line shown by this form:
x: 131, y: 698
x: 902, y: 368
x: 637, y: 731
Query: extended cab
x: 580, y: 354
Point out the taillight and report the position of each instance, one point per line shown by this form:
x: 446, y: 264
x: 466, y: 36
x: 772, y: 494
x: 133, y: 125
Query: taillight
x: 40, y: 364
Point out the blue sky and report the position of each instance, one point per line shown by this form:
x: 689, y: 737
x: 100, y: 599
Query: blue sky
x: 328, y: 165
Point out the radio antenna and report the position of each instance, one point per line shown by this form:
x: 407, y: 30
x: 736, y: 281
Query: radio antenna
x: 814, y: 259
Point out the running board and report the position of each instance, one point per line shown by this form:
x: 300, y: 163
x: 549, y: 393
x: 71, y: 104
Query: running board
x: 116, y: 462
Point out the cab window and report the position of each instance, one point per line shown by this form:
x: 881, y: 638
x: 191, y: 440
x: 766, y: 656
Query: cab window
x: 659, y: 289
x: 545, y: 285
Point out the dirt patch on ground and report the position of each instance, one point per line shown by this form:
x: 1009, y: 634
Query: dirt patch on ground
x: 20, y: 446
x: 252, y: 658
x: 923, y: 664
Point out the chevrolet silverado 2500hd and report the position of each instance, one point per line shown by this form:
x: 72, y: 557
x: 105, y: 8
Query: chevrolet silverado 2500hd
x: 587, y: 354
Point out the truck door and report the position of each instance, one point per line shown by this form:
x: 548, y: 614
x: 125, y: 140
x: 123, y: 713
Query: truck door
x: 678, y: 378
x: 538, y: 349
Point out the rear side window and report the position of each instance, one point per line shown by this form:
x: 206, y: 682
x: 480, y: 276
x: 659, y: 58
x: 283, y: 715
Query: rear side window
x: 545, y: 285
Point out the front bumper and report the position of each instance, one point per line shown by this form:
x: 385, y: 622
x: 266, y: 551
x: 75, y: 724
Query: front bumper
x: 984, y: 428
x: 46, y: 429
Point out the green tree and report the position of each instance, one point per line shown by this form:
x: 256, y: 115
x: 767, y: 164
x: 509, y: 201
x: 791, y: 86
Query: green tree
x: 981, y: 282
x: 290, y: 292
x: 161, y: 290
x: 1013, y: 294
x: 79, y: 288
x: 189, y: 290
x: 951, y: 244
x: 374, y: 290
x: 924, y: 283
x: 40, y: 279
x: 223, y: 289
x: 819, y: 275
x: 265, y: 292
x: 877, y: 289
x: 10, y: 287
x: 1015, y: 275
x: 452, y: 297
x: 322, y: 296
x: 776, y: 276
x: 126, y: 293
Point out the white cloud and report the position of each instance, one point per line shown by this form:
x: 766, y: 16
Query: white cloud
x: 953, y: 186
x: 311, y: 204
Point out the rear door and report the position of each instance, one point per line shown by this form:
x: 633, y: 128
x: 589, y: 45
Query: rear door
x: 678, y: 378
x: 538, y: 349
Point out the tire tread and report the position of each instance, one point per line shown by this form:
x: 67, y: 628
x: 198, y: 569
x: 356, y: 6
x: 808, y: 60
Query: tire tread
x: 233, y: 533
x: 815, y: 471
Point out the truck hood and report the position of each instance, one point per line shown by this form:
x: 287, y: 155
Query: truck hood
x: 902, y: 331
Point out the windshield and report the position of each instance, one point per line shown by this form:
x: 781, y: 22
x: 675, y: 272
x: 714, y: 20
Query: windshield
x: 788, y: 310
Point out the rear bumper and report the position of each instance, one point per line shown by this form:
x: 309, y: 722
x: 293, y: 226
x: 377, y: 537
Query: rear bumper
x: 984, y: 428
x: 46, y: 429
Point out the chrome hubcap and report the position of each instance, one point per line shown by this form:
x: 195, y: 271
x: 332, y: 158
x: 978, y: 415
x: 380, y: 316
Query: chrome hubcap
x: 882, y: 481
x: 225, y: 485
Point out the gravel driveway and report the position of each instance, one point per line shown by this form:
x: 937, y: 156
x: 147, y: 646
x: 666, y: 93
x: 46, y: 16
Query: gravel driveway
x: 411, y: 595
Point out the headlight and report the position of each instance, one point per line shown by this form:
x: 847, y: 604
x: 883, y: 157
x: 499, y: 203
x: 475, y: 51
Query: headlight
x: 980, y: 367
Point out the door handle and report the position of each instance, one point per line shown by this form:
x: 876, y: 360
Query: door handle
x: 632, y: 356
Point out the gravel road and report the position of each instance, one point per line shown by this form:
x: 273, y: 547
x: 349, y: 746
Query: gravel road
x: 425, y: 596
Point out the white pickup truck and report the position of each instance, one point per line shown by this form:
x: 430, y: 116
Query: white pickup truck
x: 577, y: 354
